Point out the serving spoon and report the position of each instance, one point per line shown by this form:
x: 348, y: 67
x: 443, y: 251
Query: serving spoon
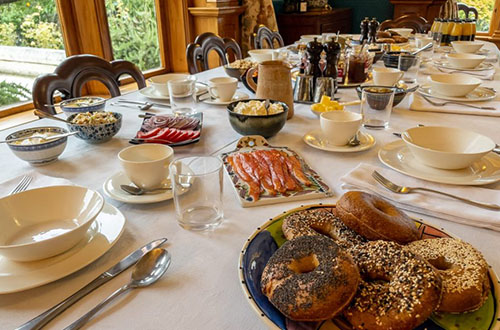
x: 49, y: 116
x: 45, y: 138
x: 147, y: 271
x: 139, y: 191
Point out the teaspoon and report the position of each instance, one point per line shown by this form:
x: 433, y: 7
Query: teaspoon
x: 147, y: 271
x: 139, y: 191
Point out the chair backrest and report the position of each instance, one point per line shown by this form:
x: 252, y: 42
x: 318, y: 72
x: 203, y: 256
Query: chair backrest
x: 468, y: 10
x: 412, y: 21
x: 70, y: 76
x: 265, y: 35
x: 197, y: 52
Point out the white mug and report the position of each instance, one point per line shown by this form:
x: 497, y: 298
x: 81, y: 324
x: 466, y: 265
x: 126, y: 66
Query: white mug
x: 386, y: 76
x: 339, y: 127
x: 222, y: 88
x: 146, y: 165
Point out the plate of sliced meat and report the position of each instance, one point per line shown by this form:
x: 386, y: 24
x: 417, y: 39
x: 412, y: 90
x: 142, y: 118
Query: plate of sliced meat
x: 169, y: 129
x: 262, y: 174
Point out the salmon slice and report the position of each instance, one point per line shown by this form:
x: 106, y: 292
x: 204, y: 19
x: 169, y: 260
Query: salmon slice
x: 261, y: 172
x: 295, y: 168
x: 290, y: 182
x: 253, y: 186
x: 266, y: 162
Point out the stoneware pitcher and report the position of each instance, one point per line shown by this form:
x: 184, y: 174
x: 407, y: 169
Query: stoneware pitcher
x: 274, y: 83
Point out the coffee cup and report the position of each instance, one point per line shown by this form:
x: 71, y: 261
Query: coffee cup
x: 386, y: 76
x: 339, y: 127
x: 160, y: 83
x: 222, y: 88
x: 146, y: 165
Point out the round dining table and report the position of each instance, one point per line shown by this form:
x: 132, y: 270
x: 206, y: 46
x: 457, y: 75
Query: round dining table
x: 202, y: 289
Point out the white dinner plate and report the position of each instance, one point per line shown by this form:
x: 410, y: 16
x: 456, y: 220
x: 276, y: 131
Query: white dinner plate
x: 102, y: 235
x: 481, y: 67
x: 238, y: 96
x: 151, y: 93
x: 317, y: 140
x: 477, y: 95
x: 112, y: 189
x: 397, y: 156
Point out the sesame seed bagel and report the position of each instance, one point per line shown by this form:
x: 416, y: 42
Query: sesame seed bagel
x: 320, y: 221
x: 398, y: 290
x: 310, y: 278
x: 462, y: 268
x: 375, y: 218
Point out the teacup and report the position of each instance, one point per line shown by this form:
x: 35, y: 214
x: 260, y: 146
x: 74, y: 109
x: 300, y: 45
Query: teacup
x: 339, y: 127
x: 160, y: 83
x: 222, y: 88
x: 386, y: 76
x: 146, y: 165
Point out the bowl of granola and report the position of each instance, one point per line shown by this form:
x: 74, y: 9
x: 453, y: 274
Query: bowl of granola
x: 95, y: 127
x: 237, y: 68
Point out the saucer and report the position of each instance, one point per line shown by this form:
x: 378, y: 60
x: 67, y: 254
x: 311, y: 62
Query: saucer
x: 397, y: 156
x: 238, y: 96
x: 151, y: 93
x: 317, y: 140
x: 112, y: 189
x: 477, y: 95
x: 102, y: 235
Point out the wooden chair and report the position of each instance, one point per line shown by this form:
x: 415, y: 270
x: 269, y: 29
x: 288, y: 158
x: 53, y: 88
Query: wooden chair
x: 468, y: 10
x: 265, y: 35
x: 412, y: 21
x: 71, y: 75
x: 197, y: 52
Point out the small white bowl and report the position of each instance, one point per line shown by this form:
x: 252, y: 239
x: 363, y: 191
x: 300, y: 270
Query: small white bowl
x: 453, y: 85
x: 41, y: 223
x: 404, y: 32
x: 340, y: 126
x: 446, y: 148
x: 160, y: 83
x: 464, y: 60
x: 467, y: 46
x: 261, y: 55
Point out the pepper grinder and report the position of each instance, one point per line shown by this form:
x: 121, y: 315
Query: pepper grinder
x: 332, y: 50
x: 372, y: 30
x: 364, y: 30
x: 314, y: 49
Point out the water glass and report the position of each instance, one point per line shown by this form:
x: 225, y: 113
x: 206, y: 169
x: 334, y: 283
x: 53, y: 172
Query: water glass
x: 376, y: 107
x: 409, y: 64
x: 183, y: 96
x: 197, y: 188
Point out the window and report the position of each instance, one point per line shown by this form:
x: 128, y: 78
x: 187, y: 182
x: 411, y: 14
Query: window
x: 31, y: 44
x: 485, y: 11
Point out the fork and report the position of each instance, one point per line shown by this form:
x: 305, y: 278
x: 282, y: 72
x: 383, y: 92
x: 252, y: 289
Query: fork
x: 22, y: 185
x: 458, y: 103
x: 406, y: 190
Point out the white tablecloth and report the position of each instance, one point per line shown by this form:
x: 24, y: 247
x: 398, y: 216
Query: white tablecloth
x: 201, y: 289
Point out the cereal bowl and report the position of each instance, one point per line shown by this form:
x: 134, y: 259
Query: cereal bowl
x: 399, y: 93
x: 463, y: 46
x: 447, y: 148
x: 82, y: 104
x: 96, y: 133
x: 56, y: 220
x: 35, y: 150
x: 261, y: 55
x: 464, y: 60
x: 454, y: 85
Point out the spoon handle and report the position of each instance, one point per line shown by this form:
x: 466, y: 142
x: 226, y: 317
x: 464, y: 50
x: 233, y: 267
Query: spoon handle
x: 49, y: 116
x: 85, y: 318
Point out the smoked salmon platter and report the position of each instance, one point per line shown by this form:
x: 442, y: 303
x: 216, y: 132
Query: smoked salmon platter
x: 262, y: 174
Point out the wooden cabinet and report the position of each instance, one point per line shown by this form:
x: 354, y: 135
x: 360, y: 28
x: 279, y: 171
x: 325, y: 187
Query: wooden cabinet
x: 292, y: 26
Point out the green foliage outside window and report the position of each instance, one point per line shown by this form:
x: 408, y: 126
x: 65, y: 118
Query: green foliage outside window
x: 484, y: 9
x: 12, y: 93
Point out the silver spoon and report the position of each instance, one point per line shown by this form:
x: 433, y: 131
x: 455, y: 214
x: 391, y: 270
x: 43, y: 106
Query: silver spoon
x: 429, y: 45
x: 354, y: 141
x: 144, y: 106
x: 49, y: 116
x: 139, y: 191
x: 147, y: 271
x: 45, y: 138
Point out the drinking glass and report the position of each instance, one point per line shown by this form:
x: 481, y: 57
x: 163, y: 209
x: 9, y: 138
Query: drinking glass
x: 197, y: 188
x: 376, y: 107
x: 183, y: 96
x: 409, y: 64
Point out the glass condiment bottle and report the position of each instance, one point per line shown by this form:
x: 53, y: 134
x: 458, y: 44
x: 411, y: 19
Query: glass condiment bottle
x: 359, y: 61
x: 341, y: 69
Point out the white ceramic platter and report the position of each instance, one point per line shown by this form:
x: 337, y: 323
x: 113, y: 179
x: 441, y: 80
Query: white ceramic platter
x: 397, y: 156
x: 481, y: 67
x: 153, y: 94
x: 477, y: 95
x: 238, y: 96
x: 317, y: 140
x: 102, y: 235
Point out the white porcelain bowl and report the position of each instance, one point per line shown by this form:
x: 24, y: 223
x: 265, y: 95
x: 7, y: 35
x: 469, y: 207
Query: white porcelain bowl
x: 160, y: 83
x: 466, y: 46
x: 404, y: 32
x: 261, y: 55
x: 464, y: 60
x: 454, y: 85
x: 41, y: 223
x: 447, y: 148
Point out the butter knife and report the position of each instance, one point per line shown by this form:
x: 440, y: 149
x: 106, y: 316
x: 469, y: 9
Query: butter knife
x: 44, y: 318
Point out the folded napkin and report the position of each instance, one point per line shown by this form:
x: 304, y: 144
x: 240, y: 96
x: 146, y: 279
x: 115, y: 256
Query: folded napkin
x: 39, y: 180
x: 418, y: 103
x: 429, y: 69
x: 427, y: 203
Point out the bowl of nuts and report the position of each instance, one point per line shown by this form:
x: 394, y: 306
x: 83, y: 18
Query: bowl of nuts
x: 237, y: 68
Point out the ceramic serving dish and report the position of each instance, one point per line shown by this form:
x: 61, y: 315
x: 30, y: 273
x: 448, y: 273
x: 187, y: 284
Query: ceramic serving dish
x: 399, y: 93
x: 96, y: 133
x: 391, y: 58
x: 42, y: 153
x: 56, y: 219
x: 454, y: 85
x: 466, y: 46
x: 448, y: 148
x: 268, y: 237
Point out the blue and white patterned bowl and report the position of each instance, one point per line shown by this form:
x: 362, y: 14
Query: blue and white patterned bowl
x: 97, y: 104
x: 96, y: 133
x: 41, y: 153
